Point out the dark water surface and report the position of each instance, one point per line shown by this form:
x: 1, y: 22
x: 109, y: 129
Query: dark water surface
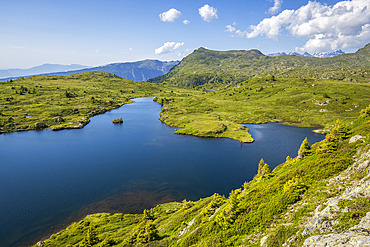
x: 47, y: 177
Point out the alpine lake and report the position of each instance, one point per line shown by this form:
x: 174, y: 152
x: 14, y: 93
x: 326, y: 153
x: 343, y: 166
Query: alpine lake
x: 49, y: 179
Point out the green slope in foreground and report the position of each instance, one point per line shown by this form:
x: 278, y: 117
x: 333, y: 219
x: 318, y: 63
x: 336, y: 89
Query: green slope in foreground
x: 225, y: 67
x: 274, y: 208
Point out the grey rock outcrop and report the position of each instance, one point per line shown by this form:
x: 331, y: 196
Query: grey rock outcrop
x: 358, y: 235
x: 324, y: 219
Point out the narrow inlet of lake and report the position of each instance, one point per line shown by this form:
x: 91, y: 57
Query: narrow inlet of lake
x: 48, y: 178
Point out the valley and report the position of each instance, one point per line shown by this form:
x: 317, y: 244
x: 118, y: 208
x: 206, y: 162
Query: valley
x: 215, y: 95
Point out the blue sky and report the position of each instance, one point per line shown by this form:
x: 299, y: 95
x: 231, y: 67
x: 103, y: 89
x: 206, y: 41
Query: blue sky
x: 100, y: 32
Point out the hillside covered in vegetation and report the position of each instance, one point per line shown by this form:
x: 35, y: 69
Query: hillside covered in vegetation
x: 205, y: 66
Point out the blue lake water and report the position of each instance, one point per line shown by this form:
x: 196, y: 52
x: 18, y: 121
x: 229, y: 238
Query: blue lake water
x: 49, y: 177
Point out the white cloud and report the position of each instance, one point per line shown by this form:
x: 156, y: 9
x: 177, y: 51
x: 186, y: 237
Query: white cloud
x: 277, y: 6
x: 170, y: 15
x: 343, y: 25
x: 208, y: 13
x: 232, y: 29
x: 186, y: 22
x: 168, y: 47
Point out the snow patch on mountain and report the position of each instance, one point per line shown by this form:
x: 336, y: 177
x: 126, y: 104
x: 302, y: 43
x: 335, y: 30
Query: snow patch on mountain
x: 306, y: 54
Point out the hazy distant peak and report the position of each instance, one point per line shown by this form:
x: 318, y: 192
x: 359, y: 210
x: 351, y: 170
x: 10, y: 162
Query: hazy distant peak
x: 40, y: 69
x: 306, y: 54
x: 328, y: 54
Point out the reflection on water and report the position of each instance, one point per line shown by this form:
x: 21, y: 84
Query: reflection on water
x: 49, y: 177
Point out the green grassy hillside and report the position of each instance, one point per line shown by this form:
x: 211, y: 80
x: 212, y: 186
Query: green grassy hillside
x: 225, y: 67
x: 274, y: 207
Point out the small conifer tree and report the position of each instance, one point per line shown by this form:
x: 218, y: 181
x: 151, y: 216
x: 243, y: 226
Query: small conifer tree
x: 305, y: 149
x: 339, y: 131
x: 365, y: 112
x: 263, y: 169
x: 90, y: 239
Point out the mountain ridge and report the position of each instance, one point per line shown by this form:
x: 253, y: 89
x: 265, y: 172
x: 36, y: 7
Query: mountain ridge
x: 136, y: 71
x: 205, y: 66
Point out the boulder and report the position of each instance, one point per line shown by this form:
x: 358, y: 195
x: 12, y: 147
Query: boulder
x: 39, y: 125
x: 58, y: 120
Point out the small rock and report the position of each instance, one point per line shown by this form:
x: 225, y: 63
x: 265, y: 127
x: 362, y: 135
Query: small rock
x: 264, y: 241
x: 58, y: 120
x: 39, y: 125
x: 40, y: 243
x: 356, y: 138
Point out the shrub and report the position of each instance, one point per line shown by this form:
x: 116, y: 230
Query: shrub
x: 117, y: 121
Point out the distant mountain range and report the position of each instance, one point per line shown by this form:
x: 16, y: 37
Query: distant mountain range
x: 306, y: 54
x: 136, y: 71
x: 42, y: 69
